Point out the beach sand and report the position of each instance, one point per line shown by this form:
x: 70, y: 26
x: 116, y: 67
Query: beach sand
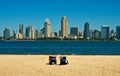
x: 36, y: 65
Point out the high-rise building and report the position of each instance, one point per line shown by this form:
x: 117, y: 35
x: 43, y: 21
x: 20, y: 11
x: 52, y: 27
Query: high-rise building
x: 74, y: 31
x: 39, y: 34
x: 96, y: 34
x: 64, y: 27
x: 21, y: 30
x: 118, y: 32
x: 86, y: 30
x: 105, y: 29
x: 91, y: 34
x: 6, y: 33
x: 47, y: 28
x: 27, y: 32
x: 30, y: 34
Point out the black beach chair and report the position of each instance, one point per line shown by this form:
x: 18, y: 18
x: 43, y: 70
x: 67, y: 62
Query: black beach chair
x: 52, y: 60
x: 63, y: 60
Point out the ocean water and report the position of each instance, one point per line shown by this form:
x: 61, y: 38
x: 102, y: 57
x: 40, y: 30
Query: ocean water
x: 60, y: 47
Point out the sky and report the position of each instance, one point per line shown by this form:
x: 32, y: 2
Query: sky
x: 34, y: 12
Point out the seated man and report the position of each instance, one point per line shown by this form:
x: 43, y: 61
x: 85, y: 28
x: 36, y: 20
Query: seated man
x: 52, y: 60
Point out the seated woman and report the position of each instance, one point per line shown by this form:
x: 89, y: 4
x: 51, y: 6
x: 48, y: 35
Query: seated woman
x: 63, y: 60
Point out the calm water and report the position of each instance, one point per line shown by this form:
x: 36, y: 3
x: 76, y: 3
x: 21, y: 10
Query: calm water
x: 60, y: 47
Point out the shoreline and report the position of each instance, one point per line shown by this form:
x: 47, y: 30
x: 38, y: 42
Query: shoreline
x: 67, y: 40
x: 52, y: 54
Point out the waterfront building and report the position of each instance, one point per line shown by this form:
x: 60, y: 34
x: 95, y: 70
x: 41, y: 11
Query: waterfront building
x: 86, y: 30
x: 64, y: 27
x: 96, y: 34
x: 18, y: 36
x: 39, y: 34
x: 118, y: 32
x: 53, y: 34
x: 30, y: 34
x: 81, y: 35
x: 21, y: 30
x: 74, y: 31
x: 105, y: 29
x: 112, y: 34
x: 47, y: 28
x: 6, y: 33
x: 91, y: 34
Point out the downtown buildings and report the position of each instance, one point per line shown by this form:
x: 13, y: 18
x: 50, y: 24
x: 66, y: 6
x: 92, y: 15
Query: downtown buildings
x: 30, y: 33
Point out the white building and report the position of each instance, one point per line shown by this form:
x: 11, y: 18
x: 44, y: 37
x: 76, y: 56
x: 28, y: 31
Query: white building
x: 30, y: 34
x: 64, y: 27
x: 18, y: 36
x: 47, y: 28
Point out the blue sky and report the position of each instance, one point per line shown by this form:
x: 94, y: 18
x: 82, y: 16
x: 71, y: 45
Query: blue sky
x: 34, y: 12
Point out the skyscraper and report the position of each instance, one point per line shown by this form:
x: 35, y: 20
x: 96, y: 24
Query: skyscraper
x: 105, y: 29
x: 30, y: 34
x: 47, y: 28
x: 86, y: 30
x: 21, y: 30
x: 64, y: 27
x: 6, y: 33
x: 118, y: 32
x: 74, y: 31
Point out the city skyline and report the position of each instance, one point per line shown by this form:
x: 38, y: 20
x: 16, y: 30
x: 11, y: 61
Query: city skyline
x: 63, y: 32
x: 34, y: 12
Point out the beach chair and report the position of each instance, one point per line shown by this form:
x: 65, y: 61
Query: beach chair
x: 52, y: 60
x: 63, y: 60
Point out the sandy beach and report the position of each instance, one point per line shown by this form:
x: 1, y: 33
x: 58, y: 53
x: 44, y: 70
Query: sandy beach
x: 36, y: 65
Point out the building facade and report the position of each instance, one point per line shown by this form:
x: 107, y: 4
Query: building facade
x: 91, y: 34
x: 74, y: 31
x: 21, y: 30
x: 47, y: 28
x: 30, y: 34
x: 86, y: 30
x: 39, y: 34
x: 105, y: 29
x: 6, y: 33
x: 118, y: 32
x: 64, y: 27
x: 96, y: 34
